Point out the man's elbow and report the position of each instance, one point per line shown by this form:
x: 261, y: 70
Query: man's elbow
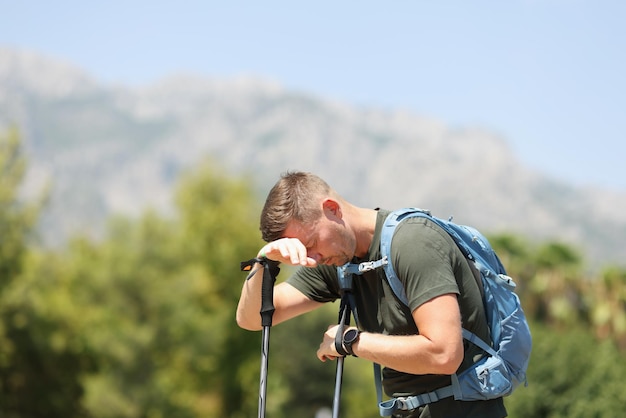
x: 450, y: 361
x: 452, y: 366
x: 246, y: 324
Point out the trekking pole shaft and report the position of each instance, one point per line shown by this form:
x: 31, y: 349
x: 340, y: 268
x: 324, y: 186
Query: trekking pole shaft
x: 344, y: 319
x: 338, y: 381
x: 270, y: 271
x: 264, y: 363
x: 267, y: 311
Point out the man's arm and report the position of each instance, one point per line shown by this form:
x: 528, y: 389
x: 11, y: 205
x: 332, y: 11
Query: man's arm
x: 288, y: 301
x: 438, y: 349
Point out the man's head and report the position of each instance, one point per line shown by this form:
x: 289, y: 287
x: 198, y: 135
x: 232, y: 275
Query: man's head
x: 304, y: 207
x: 296, y: 196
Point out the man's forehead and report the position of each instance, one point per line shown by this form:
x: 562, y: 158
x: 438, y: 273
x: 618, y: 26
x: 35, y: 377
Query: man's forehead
x: 297, y: 229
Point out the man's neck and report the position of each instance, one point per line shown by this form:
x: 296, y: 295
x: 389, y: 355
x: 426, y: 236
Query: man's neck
x: 364, y: 229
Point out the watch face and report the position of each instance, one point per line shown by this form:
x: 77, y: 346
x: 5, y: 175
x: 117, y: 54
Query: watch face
x: 350, y: 335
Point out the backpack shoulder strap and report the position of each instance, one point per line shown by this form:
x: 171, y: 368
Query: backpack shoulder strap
x: 389, y: 227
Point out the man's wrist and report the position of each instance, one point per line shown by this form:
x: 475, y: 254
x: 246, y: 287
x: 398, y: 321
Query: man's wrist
x: 350, y: 337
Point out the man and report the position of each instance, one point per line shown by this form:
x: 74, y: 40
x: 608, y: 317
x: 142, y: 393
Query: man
x: 306, y: 223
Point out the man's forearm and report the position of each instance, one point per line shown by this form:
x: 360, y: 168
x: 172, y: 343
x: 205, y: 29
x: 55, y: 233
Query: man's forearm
x: 249, y: 306
x: 413, y: 354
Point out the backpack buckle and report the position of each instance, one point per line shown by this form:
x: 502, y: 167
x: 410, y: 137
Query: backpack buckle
x: 372, y: 265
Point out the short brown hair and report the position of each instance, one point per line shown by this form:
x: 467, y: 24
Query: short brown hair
x: 294, y: 196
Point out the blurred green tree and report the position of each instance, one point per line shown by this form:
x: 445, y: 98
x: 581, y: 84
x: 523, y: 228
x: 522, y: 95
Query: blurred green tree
x: 17, y: 218
x: 608, y: 304
x: 165, y: 338
x: 30, y: 365
x: 571, y: 374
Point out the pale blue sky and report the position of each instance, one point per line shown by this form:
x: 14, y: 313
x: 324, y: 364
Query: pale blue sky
x: 546, y: 75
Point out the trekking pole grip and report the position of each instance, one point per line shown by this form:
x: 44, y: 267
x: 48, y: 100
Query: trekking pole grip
x: 270, y: 271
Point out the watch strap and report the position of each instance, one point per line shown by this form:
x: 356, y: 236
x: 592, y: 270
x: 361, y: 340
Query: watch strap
x: 347, y: 344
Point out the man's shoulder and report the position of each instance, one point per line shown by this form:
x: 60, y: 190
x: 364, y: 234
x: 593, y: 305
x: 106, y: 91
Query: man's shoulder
x: 420, y: 231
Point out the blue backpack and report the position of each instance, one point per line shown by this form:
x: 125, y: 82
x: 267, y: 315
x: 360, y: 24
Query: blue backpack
x: 504, y: 368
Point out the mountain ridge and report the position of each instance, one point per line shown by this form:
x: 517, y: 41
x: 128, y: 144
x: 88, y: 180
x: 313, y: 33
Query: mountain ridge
x: 115, y: 149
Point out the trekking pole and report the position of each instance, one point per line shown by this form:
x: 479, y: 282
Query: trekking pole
x: 270, y: 271
x: 344, y: 275
x: 348, y: 306
x: 338, y: 382
x: 343, y: 320
x: 265, y: 348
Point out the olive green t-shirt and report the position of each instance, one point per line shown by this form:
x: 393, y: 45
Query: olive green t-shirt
x: 429, y: 264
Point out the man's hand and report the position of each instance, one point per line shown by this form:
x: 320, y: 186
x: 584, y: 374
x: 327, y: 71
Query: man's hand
x: 327, y: 350
x: 289, y: 251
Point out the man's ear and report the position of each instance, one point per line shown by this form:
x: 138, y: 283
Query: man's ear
x: 332, y: 207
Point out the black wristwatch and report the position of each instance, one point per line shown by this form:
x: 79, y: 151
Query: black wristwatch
x: 350, y: 337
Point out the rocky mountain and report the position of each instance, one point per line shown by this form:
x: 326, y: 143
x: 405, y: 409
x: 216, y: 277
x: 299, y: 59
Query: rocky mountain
x: 120, y: 149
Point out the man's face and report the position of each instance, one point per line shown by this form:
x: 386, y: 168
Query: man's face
x: 328, y: 241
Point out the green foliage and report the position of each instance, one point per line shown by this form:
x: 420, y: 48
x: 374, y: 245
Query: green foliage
x: 571, y: 375
x: 608, y: 305
x: 164, y: 336
x: 42, y: 348
x: 17, y: 219
x: 557, y: 254
x: 24, y: 351
x: 139, y: 324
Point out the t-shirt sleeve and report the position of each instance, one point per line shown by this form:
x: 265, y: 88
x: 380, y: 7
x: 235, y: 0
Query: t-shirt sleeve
x: 319, y: 283
x: 422, y: 255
